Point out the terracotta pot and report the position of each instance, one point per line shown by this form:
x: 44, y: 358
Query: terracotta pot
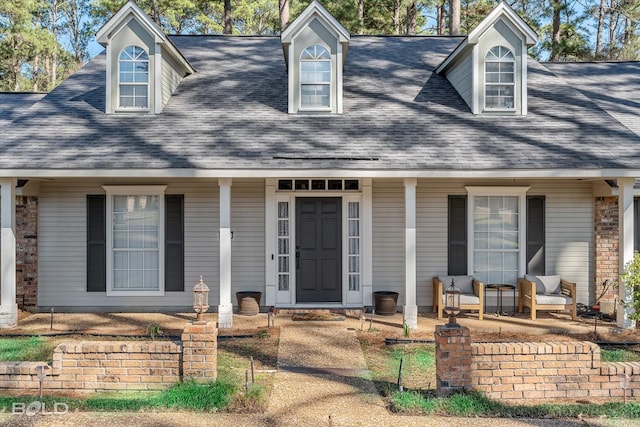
x: 385, y: 303
x: 248, y: 303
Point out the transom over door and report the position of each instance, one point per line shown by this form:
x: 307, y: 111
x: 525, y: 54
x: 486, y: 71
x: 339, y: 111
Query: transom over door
x: 318, y: 249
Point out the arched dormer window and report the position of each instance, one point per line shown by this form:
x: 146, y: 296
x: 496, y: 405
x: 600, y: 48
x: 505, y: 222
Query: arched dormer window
x: 499, y: 79
x: 315, y: 78
x: 133, y: 78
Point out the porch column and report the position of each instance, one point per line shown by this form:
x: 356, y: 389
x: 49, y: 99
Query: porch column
x: 225, y: 309
x: 410, y: 309
x: 625, y: 244
x: 8, y: 306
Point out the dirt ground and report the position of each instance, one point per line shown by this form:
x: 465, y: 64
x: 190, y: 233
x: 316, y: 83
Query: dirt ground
x: 518, y: 327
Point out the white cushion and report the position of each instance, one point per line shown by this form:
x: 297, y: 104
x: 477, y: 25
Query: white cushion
x: 465, y: 300
x: 545, y: 285
x: 556, y: 299
x: 464, y: 283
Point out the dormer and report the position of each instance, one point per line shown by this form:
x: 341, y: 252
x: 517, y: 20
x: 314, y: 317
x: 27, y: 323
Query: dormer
x: 143, y: 67
x: 315, y: 49
x: 489, y: 67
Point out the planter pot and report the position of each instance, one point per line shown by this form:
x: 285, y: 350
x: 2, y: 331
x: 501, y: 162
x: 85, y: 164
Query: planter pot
x: 385, y: 302
x: 248, y: 303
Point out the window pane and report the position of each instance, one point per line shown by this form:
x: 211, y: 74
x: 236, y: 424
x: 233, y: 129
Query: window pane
x: 354, y: 228
x: 283, y: 246
x: 354, y: 246
x: 354, y: 210
x: 315, y: 95
x: 283, y: 227
x: 283, y: 282
x: 354, y: 282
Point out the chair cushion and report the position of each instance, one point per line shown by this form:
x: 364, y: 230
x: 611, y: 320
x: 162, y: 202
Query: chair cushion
x: 464, y: 283
x: 465, y: 300
x: 545, y: 285
x: 555, y: 299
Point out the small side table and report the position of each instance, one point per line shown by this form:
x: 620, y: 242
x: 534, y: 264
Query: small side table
x: 500, y: 288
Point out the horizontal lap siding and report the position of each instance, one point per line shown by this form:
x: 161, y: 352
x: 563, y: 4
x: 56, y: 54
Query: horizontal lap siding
x: 388, y: 237
x: 569, y: 232
x: 62, y: 245
x: 170, y: 78
x: 461, y: 78
x: 247, y: 224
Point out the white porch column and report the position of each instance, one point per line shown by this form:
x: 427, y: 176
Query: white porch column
x: 625, y: 244
x: 410, y: 299
x: 225, y: 309
x: 8, y: 306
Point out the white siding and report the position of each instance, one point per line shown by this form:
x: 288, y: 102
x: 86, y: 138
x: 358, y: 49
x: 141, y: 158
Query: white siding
x: 62, y: 245
x: 461, y: 78
x: 388, y: 237
x: 569, y: 231
x: 170, y: 78
x: 247, y: 224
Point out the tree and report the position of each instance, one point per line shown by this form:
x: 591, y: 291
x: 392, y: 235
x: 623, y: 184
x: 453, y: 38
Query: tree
x: 26, y: 46
x: 454, y: 17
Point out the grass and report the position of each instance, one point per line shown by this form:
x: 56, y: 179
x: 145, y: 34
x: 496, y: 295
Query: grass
x: 189, y: 395
x: 476, y: 405
x: 618, y: 355
x: 32, y: 349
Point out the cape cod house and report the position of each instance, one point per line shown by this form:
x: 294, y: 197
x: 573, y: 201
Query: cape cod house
x: 316, y: 167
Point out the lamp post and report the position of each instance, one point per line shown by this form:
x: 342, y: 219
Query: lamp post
x: 452, y: 302
x: 200, y: 300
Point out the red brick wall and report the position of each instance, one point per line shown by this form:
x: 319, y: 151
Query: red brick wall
x: 528, y: 371
x: 120, y: 365
x: 606, y: 244
x: 26, y: 251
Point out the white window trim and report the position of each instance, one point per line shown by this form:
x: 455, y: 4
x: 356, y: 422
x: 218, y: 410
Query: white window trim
x: 521, y: 193
x: 127, y: 190
x: 303, y: 108
x: 486, y: 84
x: 120, y: 108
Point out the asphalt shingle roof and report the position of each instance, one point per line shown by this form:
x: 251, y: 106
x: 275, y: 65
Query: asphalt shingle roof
x: 398, y: 115
x: 13, y: 104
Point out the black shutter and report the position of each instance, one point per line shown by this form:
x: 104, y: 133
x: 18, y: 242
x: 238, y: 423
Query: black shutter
x: 174, y: 243
x: 96, y: 244
x: 457, y: 235
x: 636, y: 224
x: 535, y: 235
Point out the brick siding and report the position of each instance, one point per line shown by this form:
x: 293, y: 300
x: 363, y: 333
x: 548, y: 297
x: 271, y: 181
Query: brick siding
x: 26, y: 251
x: 528, y: 371
x: 606, y: 244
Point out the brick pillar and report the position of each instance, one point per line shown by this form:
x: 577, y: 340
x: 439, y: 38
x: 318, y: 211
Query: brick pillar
x: 453, y: 359
x: 606, y: 248
x: 26, y: 251
x: 199, y: 351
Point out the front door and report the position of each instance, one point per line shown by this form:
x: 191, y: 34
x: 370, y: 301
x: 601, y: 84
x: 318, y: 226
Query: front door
x: 318, y: 249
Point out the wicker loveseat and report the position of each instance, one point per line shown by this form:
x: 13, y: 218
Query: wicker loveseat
x: 471, y: 293
x: 546, y: 293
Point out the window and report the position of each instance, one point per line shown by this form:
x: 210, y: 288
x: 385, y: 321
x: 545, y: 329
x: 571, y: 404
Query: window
x: 283, y: 246
x: 499, y: 79
x: 135, y: 240
x: 496, y: 238
x: 133, y: 78
x: 315, y: 78
x: 353, y: 239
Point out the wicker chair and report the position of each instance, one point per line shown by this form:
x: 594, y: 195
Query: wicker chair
x: 546, y: 293
x: 471, y: 293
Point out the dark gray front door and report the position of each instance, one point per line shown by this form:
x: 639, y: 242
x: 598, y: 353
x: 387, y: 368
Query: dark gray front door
x: 318, y: 249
